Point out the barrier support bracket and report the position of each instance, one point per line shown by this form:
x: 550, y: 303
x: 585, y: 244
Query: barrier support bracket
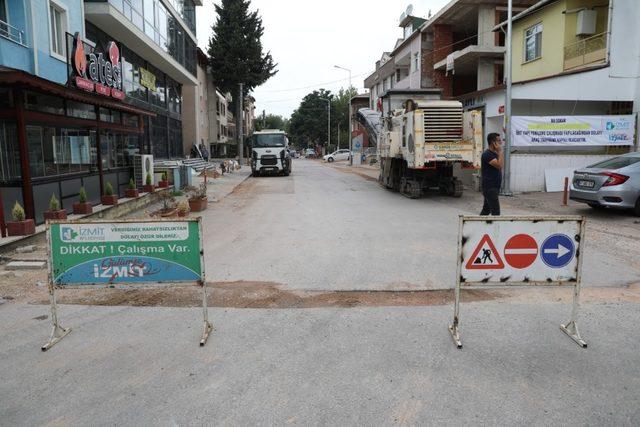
x: 57, y: 331
x: 208, y: 327
x: 571, y: 329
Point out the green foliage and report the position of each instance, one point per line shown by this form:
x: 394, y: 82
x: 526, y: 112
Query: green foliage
x: 108, y: 189
x: 54, y: 204
x: 82, y: 195
x: 149, y: 179
x: 164, y: 176
x: 308, y: 124
x: 176, y: 193
x: 235, y: 49
x: 270, y: 121
x: 18, y: 212
x: 132, y: 184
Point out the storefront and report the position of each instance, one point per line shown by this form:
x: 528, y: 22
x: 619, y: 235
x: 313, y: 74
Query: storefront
x: 55, y: 139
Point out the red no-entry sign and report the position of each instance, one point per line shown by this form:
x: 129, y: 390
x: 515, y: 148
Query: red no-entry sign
x: 521, y: 251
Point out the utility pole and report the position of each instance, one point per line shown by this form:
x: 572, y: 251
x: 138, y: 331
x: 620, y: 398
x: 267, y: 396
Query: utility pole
x: 239, y: 133
x: 506, y: 185
x: 338, y: 144
x: 264, y: 119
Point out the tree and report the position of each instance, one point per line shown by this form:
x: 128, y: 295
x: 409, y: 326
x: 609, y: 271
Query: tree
x: 270, y: 121
x: 308, y: 123
x: 235, y: 50
x: 340, y: 105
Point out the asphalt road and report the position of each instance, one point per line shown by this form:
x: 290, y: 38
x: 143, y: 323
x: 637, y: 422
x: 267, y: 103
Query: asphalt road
x: 326, y: 366
x: 325, y: 229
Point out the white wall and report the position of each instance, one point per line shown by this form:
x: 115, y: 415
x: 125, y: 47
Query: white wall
x: 527, y: 170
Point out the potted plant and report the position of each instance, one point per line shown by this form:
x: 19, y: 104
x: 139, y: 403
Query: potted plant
x: 82, y: 207
x: 164, y: 181
x: 109, y: 198
x: 197, y: 198
x: 54, y: 211
x: 20, y: 226
x: 131, y: 192
x: 168, y: 205
x: 183, y: 209
x: 148, y: 187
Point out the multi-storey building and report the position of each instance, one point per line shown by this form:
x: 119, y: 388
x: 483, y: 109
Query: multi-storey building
x: 85, y: 85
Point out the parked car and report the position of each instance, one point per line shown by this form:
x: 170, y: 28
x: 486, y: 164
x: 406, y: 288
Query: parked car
x: 611, y: 183
x: 310, y: 153
x: 337, y: 155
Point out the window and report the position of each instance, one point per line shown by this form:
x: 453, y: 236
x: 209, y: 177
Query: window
x: 533, y: 43
x: 58, y: 29
x: 416, y: 62
x: 44, y: 103
x: 9, y: 151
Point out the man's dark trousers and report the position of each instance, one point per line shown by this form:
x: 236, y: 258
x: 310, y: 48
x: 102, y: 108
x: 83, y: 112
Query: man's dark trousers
x: 491, y: 201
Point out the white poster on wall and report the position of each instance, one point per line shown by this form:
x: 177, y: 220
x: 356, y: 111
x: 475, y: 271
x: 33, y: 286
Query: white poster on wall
x: 530, y: 131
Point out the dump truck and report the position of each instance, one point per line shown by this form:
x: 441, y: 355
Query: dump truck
x: 421, y: 139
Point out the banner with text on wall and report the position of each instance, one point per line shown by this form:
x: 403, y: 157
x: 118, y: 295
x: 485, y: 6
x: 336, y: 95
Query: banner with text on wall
x: 532, y: 131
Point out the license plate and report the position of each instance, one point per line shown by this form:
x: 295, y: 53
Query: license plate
x: 587, y: 184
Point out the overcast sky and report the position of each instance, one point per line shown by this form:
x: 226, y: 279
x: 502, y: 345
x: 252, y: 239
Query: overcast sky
x: 307, y: 38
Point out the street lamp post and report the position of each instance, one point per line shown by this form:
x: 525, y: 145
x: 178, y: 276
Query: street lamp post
x: 349, y: 114
x: 506, y: 187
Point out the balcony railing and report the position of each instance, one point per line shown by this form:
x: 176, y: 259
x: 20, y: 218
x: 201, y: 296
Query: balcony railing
x: 12, y: 33
x: 586, y: 52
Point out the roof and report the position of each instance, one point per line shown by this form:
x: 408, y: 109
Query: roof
x: 526, y: 13
x: 13, y: 77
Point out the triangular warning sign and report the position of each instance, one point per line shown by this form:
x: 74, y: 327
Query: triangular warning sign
x: 485, y: 256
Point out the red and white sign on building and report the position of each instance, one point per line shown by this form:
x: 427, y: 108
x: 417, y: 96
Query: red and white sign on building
x: 92, y: 72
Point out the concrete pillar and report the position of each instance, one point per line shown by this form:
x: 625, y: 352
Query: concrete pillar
x: 485, y: 73
x: 486, y: 22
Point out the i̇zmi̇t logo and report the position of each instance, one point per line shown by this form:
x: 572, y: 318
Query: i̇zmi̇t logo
x: 82, y: 234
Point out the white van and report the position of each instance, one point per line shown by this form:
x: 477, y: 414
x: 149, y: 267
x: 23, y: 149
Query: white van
x: 270, y: 152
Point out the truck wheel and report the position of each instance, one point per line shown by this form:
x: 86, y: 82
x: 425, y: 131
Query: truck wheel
x: 286, y: 172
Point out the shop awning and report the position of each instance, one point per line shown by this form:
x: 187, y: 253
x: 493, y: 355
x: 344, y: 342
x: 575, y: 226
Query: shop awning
x: 13, y: 77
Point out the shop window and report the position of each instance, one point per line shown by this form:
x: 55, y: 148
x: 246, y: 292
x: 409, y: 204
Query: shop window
x: 175, y: 138
x: 130, y: 120
x: 44, y: 103
x: 60, y: 151
x: 158, y: 137
x: 9, y: 151
x: 6, y: 95
x: 110, y: 116
x: 80, y: 110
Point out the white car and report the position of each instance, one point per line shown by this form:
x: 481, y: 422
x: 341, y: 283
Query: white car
x: 337, y: 155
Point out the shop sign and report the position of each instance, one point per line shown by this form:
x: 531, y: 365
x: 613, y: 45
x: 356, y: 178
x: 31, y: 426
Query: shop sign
x: 148, y: 79
x: 529, y: 131
x: 95, y: 71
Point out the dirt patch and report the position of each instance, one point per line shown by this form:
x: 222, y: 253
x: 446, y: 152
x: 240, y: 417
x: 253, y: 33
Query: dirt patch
x: 355, y: 171
x: 263, y: 295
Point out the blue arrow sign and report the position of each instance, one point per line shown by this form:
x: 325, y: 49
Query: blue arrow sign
x: 558, y: 250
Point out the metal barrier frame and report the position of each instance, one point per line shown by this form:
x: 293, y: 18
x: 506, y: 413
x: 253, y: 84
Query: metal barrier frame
x: 58, y: 332
x: 570, y: 328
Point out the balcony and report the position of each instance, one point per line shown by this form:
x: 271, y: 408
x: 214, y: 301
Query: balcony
x: 586, y: 52
x: 466, y: 60
x: 12, y: 33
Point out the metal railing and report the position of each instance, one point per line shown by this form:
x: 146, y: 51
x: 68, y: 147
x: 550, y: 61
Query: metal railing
x: 586, y: 51
x: 12, y: 33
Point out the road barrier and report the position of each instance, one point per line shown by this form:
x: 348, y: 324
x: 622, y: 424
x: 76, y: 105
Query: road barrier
x: 520, y: 251
x: 107, y: 254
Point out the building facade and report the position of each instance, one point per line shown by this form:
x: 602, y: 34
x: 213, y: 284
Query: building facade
x: 85, y: 86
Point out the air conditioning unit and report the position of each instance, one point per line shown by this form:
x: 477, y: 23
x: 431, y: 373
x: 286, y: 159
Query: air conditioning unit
x: 586, y: 24
x: 142, y: 165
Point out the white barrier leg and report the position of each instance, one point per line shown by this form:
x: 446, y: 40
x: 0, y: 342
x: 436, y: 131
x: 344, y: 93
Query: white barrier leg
x: 453, y: 329
x: 571, y: 328
x: 57, y: 332
x: 208, y: 327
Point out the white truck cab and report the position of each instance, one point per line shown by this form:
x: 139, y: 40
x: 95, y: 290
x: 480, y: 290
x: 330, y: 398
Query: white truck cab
x: 270, y: 152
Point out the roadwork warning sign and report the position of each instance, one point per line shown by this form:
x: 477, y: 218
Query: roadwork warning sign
x: 520, y: 250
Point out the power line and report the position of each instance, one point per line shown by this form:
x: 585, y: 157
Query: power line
x: 314, y: 85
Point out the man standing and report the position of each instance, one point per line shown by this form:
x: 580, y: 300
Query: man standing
x: 491, y: 171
